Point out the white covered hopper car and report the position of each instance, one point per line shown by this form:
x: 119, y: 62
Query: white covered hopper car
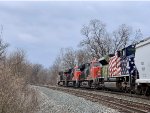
x: 142, y: 62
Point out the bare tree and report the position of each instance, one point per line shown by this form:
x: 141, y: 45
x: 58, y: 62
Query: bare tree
x: 99, y: 42
x: 138, y: 36
x: 34, y: 77
x: 68, y: 57
x: 17, y: 63
x: 96, y: 38
x: 121, y: 37
x: 54, y: 70
x: 125, y: 36
x: 3, y: 47
x: 39, y: 75
x: 83, y: 56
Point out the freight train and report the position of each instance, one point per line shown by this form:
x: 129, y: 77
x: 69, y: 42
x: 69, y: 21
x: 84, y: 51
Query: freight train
x: 127, y: 70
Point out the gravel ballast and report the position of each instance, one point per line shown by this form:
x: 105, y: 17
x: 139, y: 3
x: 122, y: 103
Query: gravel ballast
x: 52, y: 101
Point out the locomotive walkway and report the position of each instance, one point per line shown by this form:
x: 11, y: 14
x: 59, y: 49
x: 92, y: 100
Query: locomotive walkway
x: 115, y: 103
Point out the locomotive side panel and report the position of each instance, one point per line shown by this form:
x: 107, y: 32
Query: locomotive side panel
x: 105, y: 71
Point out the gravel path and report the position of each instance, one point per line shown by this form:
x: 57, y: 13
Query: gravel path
x: 52, y: 101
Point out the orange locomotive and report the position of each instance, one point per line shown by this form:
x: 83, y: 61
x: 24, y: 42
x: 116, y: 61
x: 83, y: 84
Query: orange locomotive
x: 76, y: 77
x: 88, y: 74
x: 77, y: 74
x: 94, y: 76
x: 95, y: 70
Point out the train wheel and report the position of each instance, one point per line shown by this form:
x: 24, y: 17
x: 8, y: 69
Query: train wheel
x: 66, y: 83
x: 148, y: 91
x: 63, y: 83
x: 144, y: 90
x: 138, y: 90
x: 74, y: 83
x: 89, y: 84
x: 127, y: 90
x: 58, y: 83
x: 77, y: 84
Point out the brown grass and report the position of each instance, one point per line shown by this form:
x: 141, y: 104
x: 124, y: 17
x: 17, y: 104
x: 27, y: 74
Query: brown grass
x: 15, y: 94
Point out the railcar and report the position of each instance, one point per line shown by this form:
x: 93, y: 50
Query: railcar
x: 142, y: 62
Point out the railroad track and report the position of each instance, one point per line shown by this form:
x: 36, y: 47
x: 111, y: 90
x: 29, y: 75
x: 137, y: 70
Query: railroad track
x: 117, y: 93
x: 116, y: 103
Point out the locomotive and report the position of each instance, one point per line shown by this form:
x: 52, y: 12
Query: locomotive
x: 127, y: 70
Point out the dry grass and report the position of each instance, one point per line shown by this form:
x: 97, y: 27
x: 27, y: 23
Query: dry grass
x: 15, y: 95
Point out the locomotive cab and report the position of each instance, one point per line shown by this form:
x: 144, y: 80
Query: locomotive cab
x: 95, y: 69
x: 77, y: 73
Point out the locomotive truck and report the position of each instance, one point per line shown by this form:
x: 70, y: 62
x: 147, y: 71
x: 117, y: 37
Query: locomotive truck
x: 127, y: 70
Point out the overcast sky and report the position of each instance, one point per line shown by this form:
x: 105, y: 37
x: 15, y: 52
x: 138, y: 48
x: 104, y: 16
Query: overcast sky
x: 42, y: 28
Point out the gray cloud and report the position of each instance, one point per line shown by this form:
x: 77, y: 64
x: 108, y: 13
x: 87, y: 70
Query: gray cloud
x: 42, y: 28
